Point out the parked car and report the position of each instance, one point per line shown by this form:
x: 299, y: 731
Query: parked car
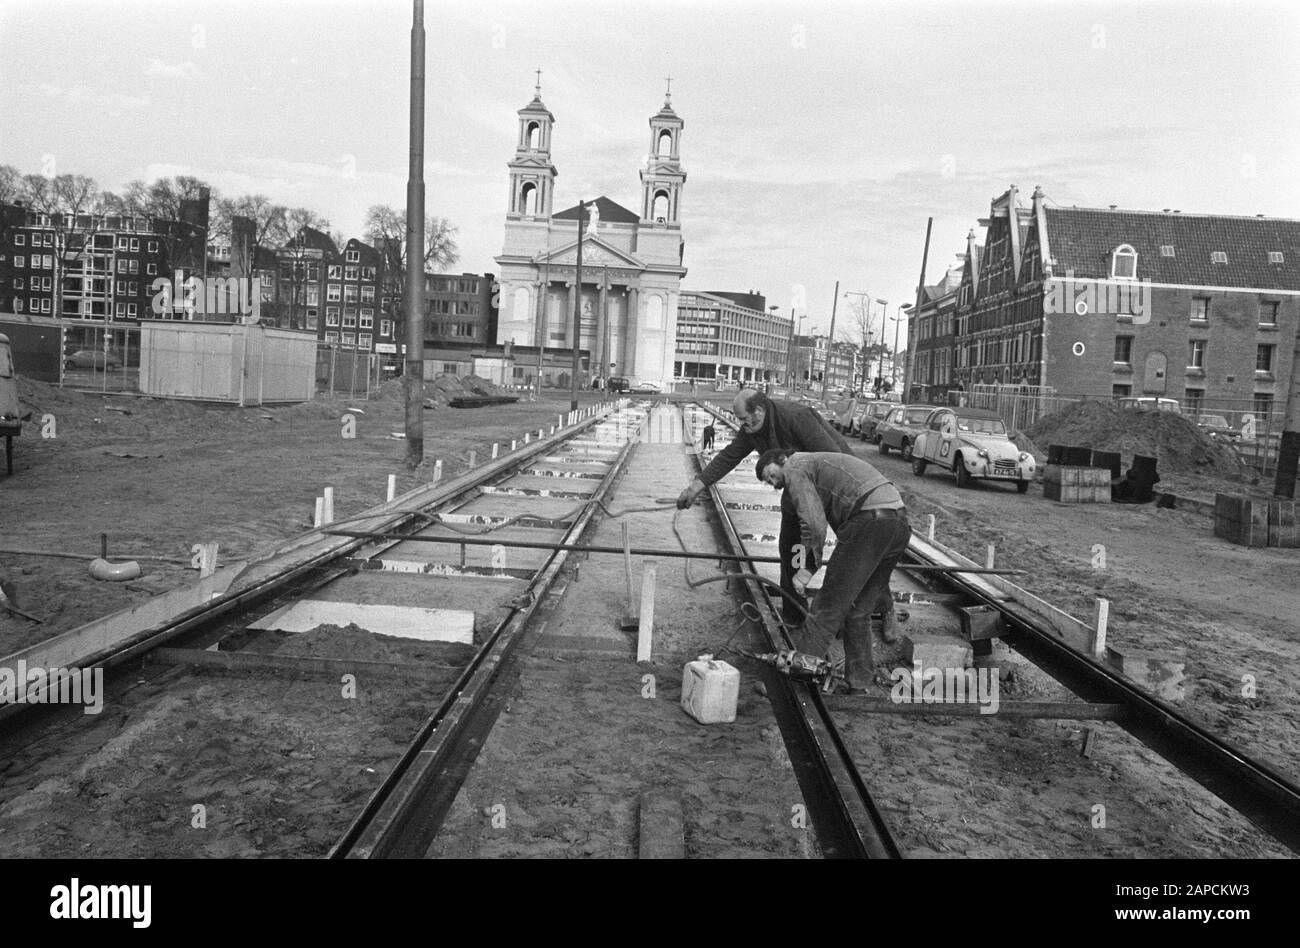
x: 93, y: 359
x: 971, y: 442
x: 901, y: 427
x: 616, y: 383
x: 866, y: 420
x: 1152, y: 404
x: 645, y: 388
x: 1217, y: 427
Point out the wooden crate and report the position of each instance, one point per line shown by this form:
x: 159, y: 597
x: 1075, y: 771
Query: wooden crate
x: 1076, y: 485
x: 1284, y: 523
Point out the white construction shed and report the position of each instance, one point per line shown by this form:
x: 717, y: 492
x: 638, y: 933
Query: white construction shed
x: 236, y: 363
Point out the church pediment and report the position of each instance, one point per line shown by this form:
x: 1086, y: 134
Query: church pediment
x: 595, y: 253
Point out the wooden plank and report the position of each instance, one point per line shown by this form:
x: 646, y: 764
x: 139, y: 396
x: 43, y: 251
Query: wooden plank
x: 331, y: 668
x: 662, y: 829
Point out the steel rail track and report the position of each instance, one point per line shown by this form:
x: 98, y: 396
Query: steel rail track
x: 849, y: 824
x: 1268, y: 798
x: 405, y: 813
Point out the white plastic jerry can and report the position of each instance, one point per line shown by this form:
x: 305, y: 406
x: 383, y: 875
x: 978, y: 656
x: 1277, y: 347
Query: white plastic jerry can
x: 710, y: 689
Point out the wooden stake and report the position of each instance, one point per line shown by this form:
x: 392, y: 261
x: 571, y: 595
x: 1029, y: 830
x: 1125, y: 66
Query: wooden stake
x: 646, y: 620
x: 392, y: 486
x: 931, y: 528
x: 1100, y: 616
x: 437, y: 471
x: 988, y: 561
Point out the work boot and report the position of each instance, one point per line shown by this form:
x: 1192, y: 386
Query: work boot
x: 889, y: 626
x: 858, y: 665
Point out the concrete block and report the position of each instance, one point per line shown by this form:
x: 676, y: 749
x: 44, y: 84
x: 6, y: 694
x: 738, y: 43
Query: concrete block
x: 934, y: 651
x: 1162, y: 676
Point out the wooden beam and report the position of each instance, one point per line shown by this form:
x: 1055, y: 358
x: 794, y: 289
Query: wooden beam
x: 249, y: 662
x: 646, y: 620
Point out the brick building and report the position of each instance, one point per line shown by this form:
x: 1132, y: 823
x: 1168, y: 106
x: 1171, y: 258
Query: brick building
x: 1107, y: 302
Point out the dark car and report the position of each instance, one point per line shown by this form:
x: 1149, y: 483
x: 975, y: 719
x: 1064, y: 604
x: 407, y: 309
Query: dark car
x: 900, y: 428
x: 617, y: 384
x: 865, y: 422
x: 92, y: 359
x: 1217, y: 427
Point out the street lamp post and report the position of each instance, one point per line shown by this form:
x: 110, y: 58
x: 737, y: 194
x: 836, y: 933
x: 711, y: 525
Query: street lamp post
x: 893, y: 362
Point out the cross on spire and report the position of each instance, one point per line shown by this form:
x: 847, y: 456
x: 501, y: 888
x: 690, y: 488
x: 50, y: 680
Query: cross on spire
x: 668, y: 92
x: 538, y: 88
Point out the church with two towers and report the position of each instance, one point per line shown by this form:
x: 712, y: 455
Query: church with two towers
x: 631, y: 259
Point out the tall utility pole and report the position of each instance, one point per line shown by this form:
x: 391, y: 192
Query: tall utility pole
x: 543, y: 305
x: 916, y: 310
x: 414, y: 303
x: 893, y: 360
x: 830, y: 340
x: 577, y: 308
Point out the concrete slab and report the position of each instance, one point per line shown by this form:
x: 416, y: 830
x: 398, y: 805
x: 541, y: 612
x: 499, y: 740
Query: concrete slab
x: 408, y: 622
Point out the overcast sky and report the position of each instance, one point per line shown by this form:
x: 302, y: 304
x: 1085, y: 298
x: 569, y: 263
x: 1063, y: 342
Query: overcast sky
x: 819, y: 136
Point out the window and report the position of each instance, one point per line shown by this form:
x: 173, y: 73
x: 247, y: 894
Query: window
x: 1264, y: 358
x: 367, y: 294
x: 1123, y: 263
x: 20, y: 240
x: 350, y: 273
x: 331, y: 337
x: 1218, y: 256
x: 135, y: 243
x: 1268, y: 313
x: 35, y: 304
x: 1166, y: 250
x: 1275, y: 256
x: 1194, y: 399
x: 385, y: 327
x: 1196, y: 354
x: 311, y: 319
x: 1263, y: 404
x: 121, y: 266
x: 367, y: 273
x: 20, y: 260
x: 367, y: 319
x: 332, y: 293
x: 123, y: 243
x: 133, y: 288
x: 331, y: 315
x: 349, y: 318
x: 153, y: 246
x: 46, y: 306
x: 135, y: 267
x: 18, y: 283
x: 335, y: 271
x: 121, y: 309
x: 363, y: 340
x: 349, y: 339
x: 1200, y: 309
x: 449, y: 368
x: 1124, y: 349
x: 313, y: 295
x: 353, y: 256
x: 130, y: 310
x: 152, y: 269
x: 349, y: 294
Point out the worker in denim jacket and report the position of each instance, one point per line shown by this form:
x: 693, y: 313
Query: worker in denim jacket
x: 870, y: 522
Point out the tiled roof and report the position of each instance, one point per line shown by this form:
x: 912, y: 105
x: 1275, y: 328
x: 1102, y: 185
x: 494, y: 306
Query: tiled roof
x: 1082, y: 240
x: 609, y: 211
x: 315, y: 239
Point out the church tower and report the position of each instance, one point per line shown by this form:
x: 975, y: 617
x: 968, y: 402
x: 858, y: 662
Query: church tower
x: 532, y: 176
x: 663, y: 177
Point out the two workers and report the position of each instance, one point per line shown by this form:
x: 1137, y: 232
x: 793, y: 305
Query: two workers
x: 823, y: 484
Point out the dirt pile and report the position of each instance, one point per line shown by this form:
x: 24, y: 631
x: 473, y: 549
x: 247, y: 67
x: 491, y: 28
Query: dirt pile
x: 1174, y: 440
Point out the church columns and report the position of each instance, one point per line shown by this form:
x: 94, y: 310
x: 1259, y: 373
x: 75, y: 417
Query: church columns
x: 630, y: 334
x: 569, y: 317
x: 599, y: 348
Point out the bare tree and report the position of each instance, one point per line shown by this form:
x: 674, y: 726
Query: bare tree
x: 385, y: 227
x: 163, y: 203
x: 11, y: 182
x: 73, y: 207
x: 301, y: 260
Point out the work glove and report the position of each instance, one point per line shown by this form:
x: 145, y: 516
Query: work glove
x: 801, y: 580
x: 687, y: 497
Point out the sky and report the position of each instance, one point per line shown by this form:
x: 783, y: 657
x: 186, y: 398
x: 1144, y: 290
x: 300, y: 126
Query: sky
x: 819, y: 137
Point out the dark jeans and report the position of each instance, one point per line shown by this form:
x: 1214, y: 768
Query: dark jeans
x: 786, y: 542
x: 856, y: 585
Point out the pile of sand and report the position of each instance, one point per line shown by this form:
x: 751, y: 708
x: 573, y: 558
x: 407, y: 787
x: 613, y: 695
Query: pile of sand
x: 1174, y: 440
x: 441, y: 389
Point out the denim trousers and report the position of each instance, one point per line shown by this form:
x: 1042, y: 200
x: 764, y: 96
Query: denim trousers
x: 856, y: 585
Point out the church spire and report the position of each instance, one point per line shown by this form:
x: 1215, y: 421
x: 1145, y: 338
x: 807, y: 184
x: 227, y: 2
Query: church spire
x: 663, y: 177
x: 532, y: 175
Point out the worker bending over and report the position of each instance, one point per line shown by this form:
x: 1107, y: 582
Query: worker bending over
x: 764, y: 424
x: 870, y: 522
